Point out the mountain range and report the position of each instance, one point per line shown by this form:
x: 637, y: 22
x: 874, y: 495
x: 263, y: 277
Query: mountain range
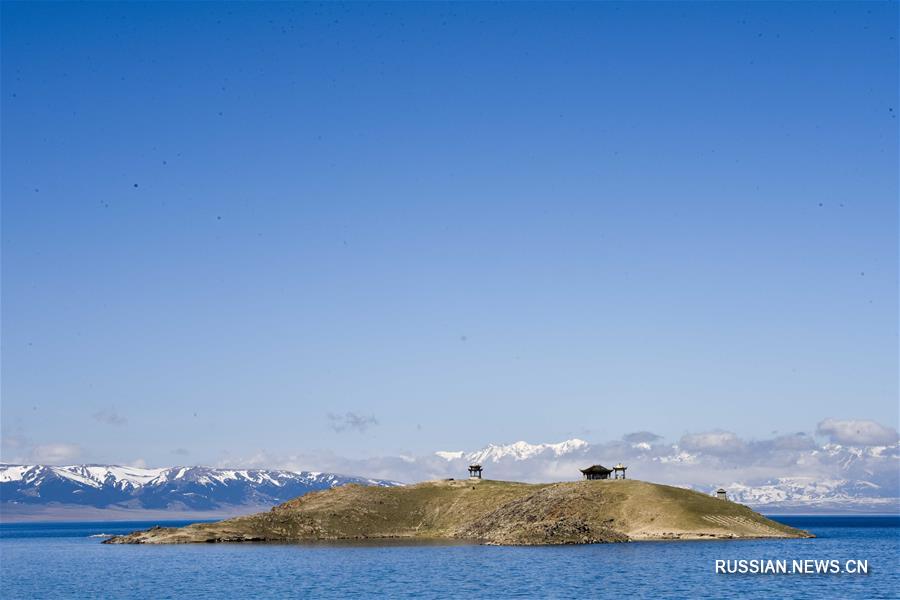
x: 176, y: 489
x: 790, y: 473
x: 809, y: 494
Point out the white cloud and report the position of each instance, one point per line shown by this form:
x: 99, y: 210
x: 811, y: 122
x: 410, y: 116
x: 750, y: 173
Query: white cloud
x: 712, y: 442
x: 857, y: 432
x: 13, y: 443
x: 54, y: 454
x: 642, y: 437
x: 448, y: 455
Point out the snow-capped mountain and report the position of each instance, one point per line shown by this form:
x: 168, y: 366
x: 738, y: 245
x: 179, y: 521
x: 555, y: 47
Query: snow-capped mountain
x: 516, y: 451
x: 812, y: 494
x: 174, y: 488
x: 788, y: 474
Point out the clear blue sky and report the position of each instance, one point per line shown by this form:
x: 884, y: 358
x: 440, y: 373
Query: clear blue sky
x: 473, y: 222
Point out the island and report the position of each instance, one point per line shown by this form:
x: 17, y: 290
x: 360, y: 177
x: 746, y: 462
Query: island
x: 488, y: 512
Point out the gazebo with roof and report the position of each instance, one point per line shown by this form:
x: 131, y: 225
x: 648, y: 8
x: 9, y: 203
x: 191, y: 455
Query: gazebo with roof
x: 596, y: 472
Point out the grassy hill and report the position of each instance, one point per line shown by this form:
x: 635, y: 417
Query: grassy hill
x: 493, y: 512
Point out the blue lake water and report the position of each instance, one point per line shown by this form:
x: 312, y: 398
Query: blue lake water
x: 60, y: 560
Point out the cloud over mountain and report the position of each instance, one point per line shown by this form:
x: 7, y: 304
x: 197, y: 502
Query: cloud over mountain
x: 855, y: 466
x: 641, y: 437
x: 857, y: 432
x: 791, y: 471
x: 713, y: 442
x: 54, y: 453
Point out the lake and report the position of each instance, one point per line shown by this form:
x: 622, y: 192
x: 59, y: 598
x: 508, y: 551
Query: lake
x: 62, y: 560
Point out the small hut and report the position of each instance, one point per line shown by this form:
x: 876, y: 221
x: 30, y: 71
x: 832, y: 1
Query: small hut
x: 475, y: 471
x: 721, y: 494
x: 619, y: 471
x: 596, y: 472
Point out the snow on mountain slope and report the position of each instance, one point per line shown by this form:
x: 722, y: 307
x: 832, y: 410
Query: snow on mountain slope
x: 793, y: 474
x: 812, y: 493
x: 195, y: 488
x: 516, y: 451
x: 95, y: 476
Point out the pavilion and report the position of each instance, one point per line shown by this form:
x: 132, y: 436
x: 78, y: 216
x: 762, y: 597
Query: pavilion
x: 596, y: 472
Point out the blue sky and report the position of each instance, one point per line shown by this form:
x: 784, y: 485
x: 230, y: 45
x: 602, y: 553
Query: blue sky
x: 394, y: 228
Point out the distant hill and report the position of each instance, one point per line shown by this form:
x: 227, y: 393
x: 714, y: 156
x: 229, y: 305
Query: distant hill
x: 492, y: 512
x: 37, y: 489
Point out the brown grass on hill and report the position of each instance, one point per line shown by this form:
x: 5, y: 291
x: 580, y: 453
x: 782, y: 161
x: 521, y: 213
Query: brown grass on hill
x: 486, y: 511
